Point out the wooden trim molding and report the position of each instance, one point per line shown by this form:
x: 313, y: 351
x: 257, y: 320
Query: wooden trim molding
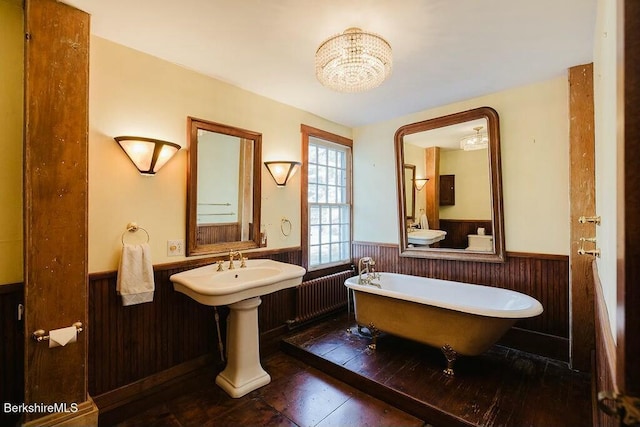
x: 604, y: 362
x: 86, y: 415
x: 581, y: 202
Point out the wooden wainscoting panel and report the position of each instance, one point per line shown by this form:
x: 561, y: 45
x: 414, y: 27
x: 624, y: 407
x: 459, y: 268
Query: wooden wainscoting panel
x: 130, y: 343
x: 458, y: 230
x: 135, y: 344
x: 11, y: 351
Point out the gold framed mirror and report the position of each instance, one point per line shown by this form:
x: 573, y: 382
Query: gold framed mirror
x: 223, y: 188
x: 458, y: 213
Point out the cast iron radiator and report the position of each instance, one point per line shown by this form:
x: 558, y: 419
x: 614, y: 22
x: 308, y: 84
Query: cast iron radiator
x: 320, y: 296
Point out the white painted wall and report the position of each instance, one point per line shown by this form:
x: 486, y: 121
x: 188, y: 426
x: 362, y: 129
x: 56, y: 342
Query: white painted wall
x: 534, y: 131
x: 605, y: 81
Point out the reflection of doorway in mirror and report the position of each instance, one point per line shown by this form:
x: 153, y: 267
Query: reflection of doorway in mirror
x: 472, y: 184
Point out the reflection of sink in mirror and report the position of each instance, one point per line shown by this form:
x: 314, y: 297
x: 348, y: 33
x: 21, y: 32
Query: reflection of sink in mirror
x: 425, y: 237
x: 480, y: 243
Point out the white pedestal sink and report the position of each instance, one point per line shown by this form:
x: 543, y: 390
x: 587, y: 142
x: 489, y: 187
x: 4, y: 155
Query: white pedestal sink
x: 240, y: 289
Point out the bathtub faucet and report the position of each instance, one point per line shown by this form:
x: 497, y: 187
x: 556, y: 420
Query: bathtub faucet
x: 366, y: 265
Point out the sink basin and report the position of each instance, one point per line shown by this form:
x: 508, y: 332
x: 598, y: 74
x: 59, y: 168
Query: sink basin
x: 259, y: 277
x: 425, y: 237
x: 240, y: 289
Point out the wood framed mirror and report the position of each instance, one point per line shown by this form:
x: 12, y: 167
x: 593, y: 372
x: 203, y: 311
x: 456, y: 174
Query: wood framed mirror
x: 458, y: 213
x: 223, y: 188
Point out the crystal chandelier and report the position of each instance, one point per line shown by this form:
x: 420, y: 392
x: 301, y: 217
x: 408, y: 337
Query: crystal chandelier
x: 354, y: 61
x: 475, y: 141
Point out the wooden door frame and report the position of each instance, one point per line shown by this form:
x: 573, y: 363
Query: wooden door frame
x: 628, y: 145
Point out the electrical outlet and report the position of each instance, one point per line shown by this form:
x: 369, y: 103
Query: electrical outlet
x: 175, y: 247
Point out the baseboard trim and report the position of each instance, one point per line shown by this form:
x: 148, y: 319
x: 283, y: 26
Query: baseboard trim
x: 538, y: 343
x: 140, y: 389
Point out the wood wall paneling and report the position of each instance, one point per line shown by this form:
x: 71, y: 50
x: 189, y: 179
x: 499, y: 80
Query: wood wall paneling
x: 582, y: 202
x: 207, y: 234
x: 133, y: 343
x: 11, y: 351
x: 458, y: 230
x: 432, y: 187
x: 55, y: 197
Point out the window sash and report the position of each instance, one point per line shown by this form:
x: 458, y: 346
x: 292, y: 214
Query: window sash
x: 329, y: 207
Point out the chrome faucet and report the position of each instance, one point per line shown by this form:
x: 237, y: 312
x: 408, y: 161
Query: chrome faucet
x: 366, y: 265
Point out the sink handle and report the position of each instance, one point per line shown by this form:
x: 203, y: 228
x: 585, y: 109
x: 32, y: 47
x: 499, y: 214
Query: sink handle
x: 219, y: 265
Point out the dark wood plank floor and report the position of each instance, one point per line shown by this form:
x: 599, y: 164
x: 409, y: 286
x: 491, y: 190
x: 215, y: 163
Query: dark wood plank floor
x: 298, y: 395
x: 502, y: 387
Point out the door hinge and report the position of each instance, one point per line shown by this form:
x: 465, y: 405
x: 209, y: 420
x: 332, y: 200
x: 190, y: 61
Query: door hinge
x: 20, y: 312
x: 619, y: 405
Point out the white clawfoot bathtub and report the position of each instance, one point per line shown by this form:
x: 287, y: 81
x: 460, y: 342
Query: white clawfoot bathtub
x: 458, y: 318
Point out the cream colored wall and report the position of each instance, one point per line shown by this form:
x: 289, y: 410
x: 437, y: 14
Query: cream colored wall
x: 136, y: 94
x: 11, y: 123
x: 605, y: 82
x: 534, y: 129
x: 473, y: 195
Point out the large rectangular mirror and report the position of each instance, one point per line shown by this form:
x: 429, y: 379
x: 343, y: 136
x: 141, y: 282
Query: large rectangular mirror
x: 458, y: 212
x: 223, y: 188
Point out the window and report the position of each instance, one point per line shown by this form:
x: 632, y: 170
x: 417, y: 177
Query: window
x: 327, y: 202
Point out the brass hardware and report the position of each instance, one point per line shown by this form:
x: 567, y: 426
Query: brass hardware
x: 585, y: 219
x: 451, y: 355
x: 374, y: 335
x: 625, y: 407
x: 240, y: 257
x: 243, y: 261
x: 219, y: 266
x: 40, y: 334
x: 132, y: 227
x: 582, y: 251
x: 366, y: 265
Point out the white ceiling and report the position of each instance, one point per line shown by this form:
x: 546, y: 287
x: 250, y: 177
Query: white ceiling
x: 444, y: 50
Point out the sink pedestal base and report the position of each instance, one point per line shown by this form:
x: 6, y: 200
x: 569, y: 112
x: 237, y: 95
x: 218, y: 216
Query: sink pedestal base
x: 243, y: 372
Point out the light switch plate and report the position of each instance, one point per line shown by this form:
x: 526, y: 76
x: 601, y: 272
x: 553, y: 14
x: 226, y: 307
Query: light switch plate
x: 175, y: 247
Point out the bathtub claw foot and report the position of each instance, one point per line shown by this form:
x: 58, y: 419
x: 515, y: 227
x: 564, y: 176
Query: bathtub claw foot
x: 374, y: 336
x: 451, y: 356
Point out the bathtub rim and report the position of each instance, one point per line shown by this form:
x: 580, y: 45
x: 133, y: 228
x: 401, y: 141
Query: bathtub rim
x: 535, y: 308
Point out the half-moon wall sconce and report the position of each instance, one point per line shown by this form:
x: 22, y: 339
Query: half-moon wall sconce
x: 419, y: 183
x: 147, y: 154
x: 282, y: 170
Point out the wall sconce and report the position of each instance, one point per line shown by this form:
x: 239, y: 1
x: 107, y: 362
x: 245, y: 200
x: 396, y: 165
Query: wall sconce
x: 147, y: 154
x: 282, y: 170
x: 419, y: 183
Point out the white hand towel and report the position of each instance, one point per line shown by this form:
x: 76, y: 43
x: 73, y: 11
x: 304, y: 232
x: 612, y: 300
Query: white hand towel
x: 135, y: 274
x: 424, y: 222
